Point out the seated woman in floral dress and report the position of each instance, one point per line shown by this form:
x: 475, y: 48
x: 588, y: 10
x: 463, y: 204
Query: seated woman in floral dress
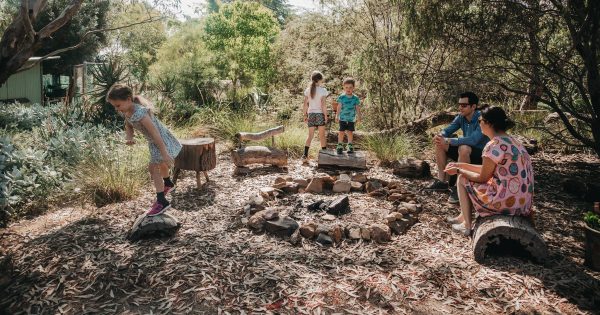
x: 503, y: 184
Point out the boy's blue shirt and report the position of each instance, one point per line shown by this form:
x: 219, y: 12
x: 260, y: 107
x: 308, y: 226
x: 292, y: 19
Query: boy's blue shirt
x: 472, y: 135
x: 349, y: 104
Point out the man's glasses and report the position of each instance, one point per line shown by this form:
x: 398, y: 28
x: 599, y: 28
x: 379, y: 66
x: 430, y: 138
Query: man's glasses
x: 463, y: 104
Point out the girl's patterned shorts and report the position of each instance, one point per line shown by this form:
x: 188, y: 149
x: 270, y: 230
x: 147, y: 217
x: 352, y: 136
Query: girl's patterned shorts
x: 316, y: 119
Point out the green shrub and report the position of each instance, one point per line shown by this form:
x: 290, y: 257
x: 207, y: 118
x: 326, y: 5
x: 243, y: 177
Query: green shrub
x: 390, y: 148
x: 23, y: 117
x: 592, y: 220
x: 114, y: 174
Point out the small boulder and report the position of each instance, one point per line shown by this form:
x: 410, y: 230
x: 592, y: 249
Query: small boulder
x: 380, y: 233
x: 257, y: 221
x: 324, y: 239
x: 295, y: 238
x: 159, y: 225
x: 325, y: 178
x: 356, y: 186
x: 315, y: 206
x: 395, y: 197
x: 395, y: 185
x: 390, y: 218
x: 322, y: 228
x: 283, y: 226
x: 270, y: 214
x: 280, y: 180
x: 279, y: 185
x: 328, y: 217
x: 315, y: 186
x: 365, y: 233
x: 342, y: 186
x: 402, y: 225
x: 344, y: 177
x: 269, y: 192
x: 307, y: 230
x: 381, y: 192
x: 336, y: 233
x: 412, y: 207
x: 290, y: 188
x: 373, y: 185
x: 339, y: 206
x: 361, y: 178
x: 354, y: 233
x: 256, y: 201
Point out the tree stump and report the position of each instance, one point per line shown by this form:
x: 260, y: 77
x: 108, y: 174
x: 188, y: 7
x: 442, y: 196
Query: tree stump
x: 198, y: 155
x: 330, y: 159
x: 159, y: 226
x: 259, y: 155
x: 510, y: 235
x: 411, y: 168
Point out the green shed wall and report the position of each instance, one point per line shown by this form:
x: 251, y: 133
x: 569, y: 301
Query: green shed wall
x: 25, y: 84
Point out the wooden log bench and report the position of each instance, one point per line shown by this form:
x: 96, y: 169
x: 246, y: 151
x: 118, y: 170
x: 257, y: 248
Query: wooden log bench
x: 512, y: 235
x: 247, y: 155
x: 330, y: 159
x: 199, y: 155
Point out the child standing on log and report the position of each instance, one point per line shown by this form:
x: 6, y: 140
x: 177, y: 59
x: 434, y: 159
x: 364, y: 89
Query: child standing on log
x: 163, y: 146
x: 315, y: 111
x: 348, y: 115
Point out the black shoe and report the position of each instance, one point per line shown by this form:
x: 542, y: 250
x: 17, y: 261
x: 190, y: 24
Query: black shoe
x: 437, y: 185
x: 453, y: 198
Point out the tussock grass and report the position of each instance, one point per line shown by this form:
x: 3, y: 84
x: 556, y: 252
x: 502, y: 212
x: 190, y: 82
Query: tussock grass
x: 388, y: 148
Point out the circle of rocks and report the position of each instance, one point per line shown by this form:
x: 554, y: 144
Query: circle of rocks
x: 260, y: 215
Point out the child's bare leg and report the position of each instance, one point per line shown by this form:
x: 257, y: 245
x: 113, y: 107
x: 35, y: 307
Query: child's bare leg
x: 164, y: 170
x: 322, y: 136
x: 311, y: 134
x: 350, y: 136
x: 155, y: 174
x: 340, y: 137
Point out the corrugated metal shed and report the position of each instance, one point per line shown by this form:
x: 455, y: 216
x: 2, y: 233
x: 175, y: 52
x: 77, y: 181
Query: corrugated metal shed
x: 26, y: 84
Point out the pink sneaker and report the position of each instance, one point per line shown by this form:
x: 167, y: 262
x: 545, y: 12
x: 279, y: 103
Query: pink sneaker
x: 169, y: 189
x: 157, y: 208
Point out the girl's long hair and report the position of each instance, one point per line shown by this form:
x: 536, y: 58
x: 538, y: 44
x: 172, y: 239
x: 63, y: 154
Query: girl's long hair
x: 122, y: 92
x: 315, y: 77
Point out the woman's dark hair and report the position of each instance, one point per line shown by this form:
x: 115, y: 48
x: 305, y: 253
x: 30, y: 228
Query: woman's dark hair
x: 315, y: 77
x: 497, y: 118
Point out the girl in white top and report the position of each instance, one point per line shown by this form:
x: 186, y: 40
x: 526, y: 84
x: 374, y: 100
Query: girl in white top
x: 315, y: 111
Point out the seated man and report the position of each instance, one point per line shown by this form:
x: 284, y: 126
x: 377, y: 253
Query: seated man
x: 467, y: 149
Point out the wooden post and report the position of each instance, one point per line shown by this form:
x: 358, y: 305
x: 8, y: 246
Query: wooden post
x: 198, y: 155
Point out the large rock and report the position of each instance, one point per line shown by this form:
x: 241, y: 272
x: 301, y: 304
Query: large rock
x: 373, y: 185
x: 315, y: 186
x: 339, y: 206
x: 342, y: 186
x: 283, y: 226
x: 361, y: 178
x: 157, y: 226
x: 380, y: 233
x: 365, y: 233
x: 319, y: 205
x: 308, y: 230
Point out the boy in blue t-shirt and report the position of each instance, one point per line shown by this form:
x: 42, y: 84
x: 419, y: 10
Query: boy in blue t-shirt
x: 348, y: 114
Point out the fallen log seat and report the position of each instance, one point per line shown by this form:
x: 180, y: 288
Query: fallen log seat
x: 330, y: 159
x: 259, y: 155
x: 512, y: 235
x: 198, y: 155
x: 257, y: 136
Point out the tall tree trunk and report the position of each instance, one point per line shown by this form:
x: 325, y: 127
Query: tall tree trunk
x: 20, y: 40
x: 534, y: 91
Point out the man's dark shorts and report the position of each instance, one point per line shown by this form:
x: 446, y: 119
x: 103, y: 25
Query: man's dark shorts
x: 346, y: 125
x: 475, y: 154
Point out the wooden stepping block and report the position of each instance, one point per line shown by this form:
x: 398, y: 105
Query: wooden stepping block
x: 502, y: 233
x: 199, y: 155
x: 159, y: 226
x: 330, y: 159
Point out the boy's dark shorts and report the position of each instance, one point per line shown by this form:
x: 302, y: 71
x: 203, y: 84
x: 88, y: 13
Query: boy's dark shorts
x: 475, y: 154
x: 346, y: 125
